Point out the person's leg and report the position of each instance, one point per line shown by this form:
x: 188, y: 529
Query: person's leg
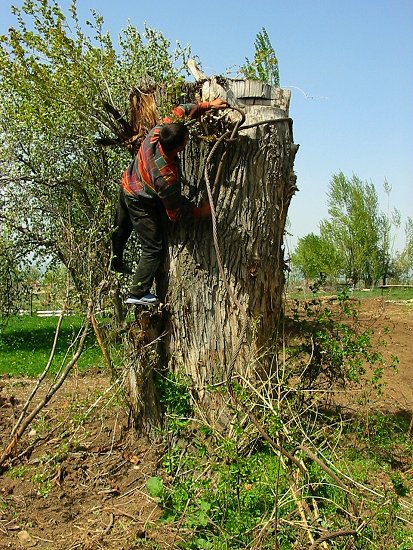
x: 122, y: 232
x: 146, y: 216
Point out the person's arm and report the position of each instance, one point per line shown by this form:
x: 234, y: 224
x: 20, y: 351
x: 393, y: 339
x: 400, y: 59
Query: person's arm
x: 175, y: 204
x: 167, y: 185
x: 169, y: 191
x: 195, y: 110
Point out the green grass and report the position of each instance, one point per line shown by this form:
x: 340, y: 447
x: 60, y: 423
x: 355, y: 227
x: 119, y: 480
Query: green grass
x: 385, y: 293
x: 25, y: 344
x: 240, y: 492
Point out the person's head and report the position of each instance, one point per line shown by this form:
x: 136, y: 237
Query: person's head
x: 173, y: 136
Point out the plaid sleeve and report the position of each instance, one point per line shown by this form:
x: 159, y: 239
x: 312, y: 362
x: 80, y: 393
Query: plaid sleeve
x: 189, y: 110
x: 169, y: 191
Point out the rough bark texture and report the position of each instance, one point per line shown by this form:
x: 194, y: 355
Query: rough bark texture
x: 144, y: 359
x: 251, y: 193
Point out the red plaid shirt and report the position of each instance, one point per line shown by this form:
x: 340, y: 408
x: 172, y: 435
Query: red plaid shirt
x: 152, y: 173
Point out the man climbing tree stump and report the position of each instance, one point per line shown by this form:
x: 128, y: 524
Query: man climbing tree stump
x: 225, y: 274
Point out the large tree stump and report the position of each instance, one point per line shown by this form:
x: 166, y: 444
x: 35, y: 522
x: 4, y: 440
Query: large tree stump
x: 251, y: 194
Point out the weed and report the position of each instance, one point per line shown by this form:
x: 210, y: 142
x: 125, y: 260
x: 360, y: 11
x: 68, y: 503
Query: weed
x: 155, y: 488
x: 175, y: 397
x: 42, y: 425
x: 229, y: 490
x: 79, y: 418
x: 384, y: 436
x: 44, y: 484
x: 399, y: 484
x: 139, y: 544
x: 17, y: 472
x: 3, y: 505
x: 333, y: 349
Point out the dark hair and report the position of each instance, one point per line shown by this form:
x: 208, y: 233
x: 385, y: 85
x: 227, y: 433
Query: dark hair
x: 172, y: 135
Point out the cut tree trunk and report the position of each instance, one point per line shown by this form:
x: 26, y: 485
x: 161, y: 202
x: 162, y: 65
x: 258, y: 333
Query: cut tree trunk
x: 223, y: 284
x: 252, y: 183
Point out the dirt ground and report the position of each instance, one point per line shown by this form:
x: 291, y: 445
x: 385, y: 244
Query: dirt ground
x: 79, y: 482
x: 392, y: 321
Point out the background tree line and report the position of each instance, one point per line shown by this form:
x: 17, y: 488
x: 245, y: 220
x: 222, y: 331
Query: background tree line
x: 356, y: 242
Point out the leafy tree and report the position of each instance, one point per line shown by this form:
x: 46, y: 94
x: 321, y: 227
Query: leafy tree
x: 315, y: 255
x: 356, y: 227
x: 10, y: 279
x: 389, y: 220
x: 264, y: 67
x: 402, y: 265
x: 59, y: 89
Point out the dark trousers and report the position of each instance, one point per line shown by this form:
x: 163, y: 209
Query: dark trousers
x: 147, y: 217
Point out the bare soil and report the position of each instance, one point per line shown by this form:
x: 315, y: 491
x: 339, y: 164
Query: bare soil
x: 393, y: 321
x: 79, y: 481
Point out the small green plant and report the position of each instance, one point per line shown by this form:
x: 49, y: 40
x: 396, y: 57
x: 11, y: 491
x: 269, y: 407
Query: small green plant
x: 42, y: 425
x: 79, y: 418
x: 399, y: 484
x: 18, y: 472
x: 175, y: 398
x: 333, y: 349
x: 44, y: 484
x: 264, y: 67
x: 155, y: 488
x: 143, y: 544
x: 382, y: 436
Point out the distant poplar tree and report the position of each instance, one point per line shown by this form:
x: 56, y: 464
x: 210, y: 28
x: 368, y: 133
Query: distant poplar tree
x: 315, y: 255
x: 355, y: 227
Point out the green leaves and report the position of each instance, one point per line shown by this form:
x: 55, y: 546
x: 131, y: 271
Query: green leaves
x: 59, y: 183
x: 265, y: 64
x: 155, y: 488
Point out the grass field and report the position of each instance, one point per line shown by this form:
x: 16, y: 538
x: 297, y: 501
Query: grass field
x: 395, y: 293
x: 25, y: 344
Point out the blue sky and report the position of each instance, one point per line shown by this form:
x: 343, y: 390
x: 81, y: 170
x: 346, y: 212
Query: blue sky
x: 349, y: 64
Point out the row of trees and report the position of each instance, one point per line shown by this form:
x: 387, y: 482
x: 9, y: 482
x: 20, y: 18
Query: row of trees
x: 356, y: 241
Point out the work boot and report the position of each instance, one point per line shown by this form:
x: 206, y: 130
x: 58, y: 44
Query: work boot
x: 147, y: 300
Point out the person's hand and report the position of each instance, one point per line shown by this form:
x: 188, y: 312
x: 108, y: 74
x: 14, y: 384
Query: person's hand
x: 218, y: 103
x: 202, y: 211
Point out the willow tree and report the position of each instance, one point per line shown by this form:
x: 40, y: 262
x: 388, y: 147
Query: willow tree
x: 60, y: 88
